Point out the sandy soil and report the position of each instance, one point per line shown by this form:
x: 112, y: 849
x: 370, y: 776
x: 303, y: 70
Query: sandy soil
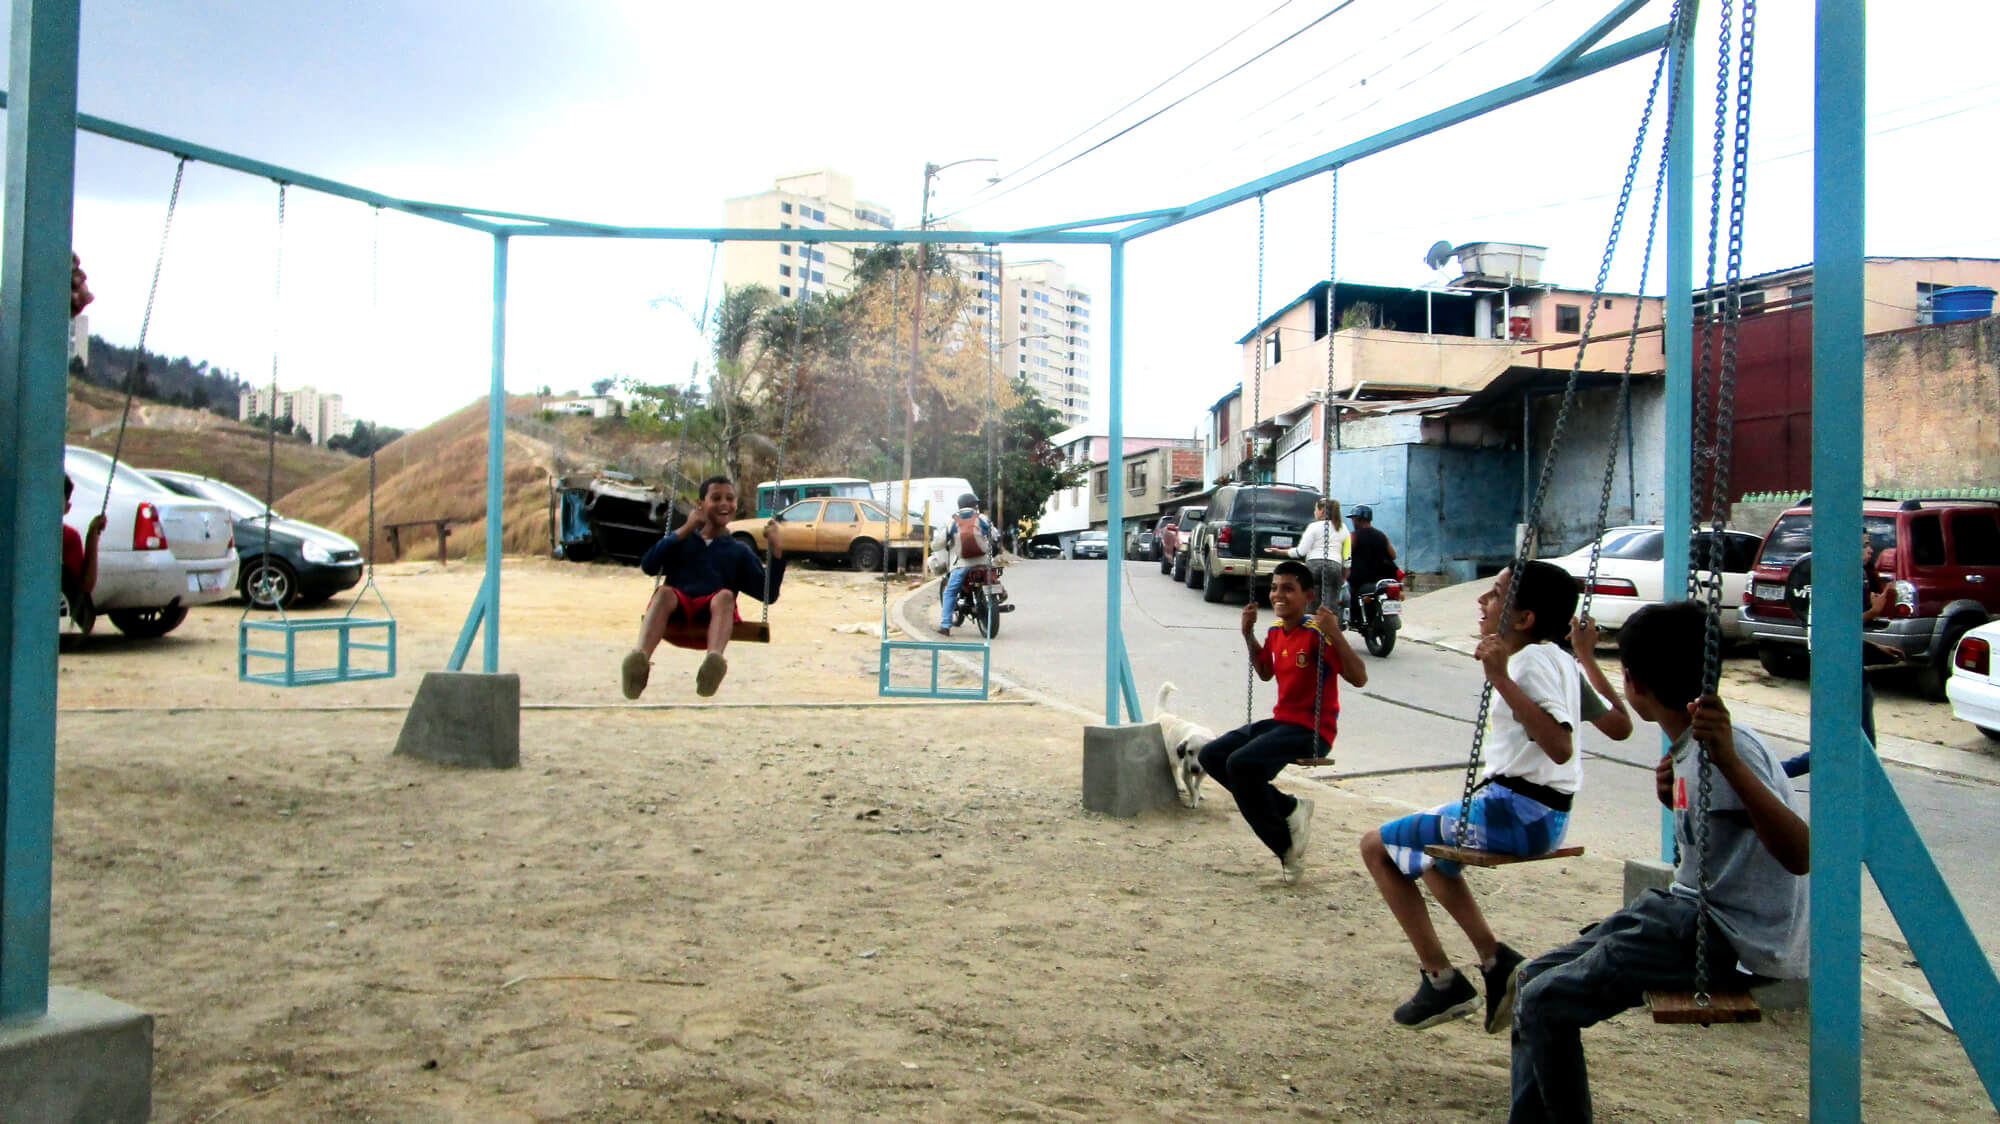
x: 783, y: 912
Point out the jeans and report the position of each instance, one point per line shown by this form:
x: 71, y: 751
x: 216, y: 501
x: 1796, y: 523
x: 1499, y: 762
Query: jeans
x: 953, y: 582
x: 1245, y: 761
x: 1329, y: 576
x: 1647, y: 946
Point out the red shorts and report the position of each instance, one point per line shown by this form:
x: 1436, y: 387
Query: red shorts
x: 687, y: 625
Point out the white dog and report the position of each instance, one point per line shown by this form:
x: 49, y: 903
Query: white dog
x: 1184, y: 740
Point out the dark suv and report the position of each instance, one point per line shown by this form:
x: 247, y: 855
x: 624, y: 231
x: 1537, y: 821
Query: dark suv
x: 1941, y: 558
x: 303, y: 564
x: 1229, y: 547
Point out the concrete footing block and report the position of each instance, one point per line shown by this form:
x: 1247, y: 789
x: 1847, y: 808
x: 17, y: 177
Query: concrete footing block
x: 1125, y: 769
x: 90, y: 1058
x: 465, y: 718
x: 1642, y: 875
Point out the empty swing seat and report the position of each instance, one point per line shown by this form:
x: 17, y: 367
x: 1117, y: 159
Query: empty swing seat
x: 375, y: 636
x: 935, y: 690
x: 1469, y: 856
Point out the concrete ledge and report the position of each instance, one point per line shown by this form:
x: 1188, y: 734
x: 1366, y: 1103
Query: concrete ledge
x: 89, y: 1058
x: 1642, y: 875
x: 465, y: 719
x: 1125, y: 770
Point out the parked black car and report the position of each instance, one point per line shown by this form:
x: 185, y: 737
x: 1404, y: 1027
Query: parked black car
x: 1145, y: 548
x: 304, y: 564
x: 1229, y: 547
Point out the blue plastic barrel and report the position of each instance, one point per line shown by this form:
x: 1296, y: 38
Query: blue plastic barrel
x: 1961, y: 302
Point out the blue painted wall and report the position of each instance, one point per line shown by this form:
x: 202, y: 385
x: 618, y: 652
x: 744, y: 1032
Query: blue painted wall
x: 1463, y: 505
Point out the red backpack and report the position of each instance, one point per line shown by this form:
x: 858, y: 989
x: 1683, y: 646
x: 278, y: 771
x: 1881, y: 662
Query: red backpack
x: 969, y: 545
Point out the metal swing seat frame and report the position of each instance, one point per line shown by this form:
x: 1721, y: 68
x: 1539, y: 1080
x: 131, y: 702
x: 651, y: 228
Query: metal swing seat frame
x: 372, y: 638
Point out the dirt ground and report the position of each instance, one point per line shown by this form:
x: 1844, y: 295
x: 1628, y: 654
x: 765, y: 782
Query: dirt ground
x: 788, y: 911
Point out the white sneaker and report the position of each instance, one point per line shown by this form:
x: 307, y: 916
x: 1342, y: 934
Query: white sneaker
x: 1299, y: 823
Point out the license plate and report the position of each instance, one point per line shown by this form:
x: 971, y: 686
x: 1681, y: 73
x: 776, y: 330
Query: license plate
x: 1392, y: 608
x: 204, y: 582
x: 1769, y: 591
x: 1281, y: 540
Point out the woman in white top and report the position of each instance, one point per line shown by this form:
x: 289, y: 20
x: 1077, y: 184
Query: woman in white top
x: 1323, y: 548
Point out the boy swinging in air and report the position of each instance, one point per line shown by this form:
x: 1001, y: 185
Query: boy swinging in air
x: 1759, y: 852
x: 706, y: 570
x: 1520, y: 806
x: 1301, y: 654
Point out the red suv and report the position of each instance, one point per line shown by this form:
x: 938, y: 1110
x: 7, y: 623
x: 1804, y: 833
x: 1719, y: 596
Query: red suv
x: 1941, y: 557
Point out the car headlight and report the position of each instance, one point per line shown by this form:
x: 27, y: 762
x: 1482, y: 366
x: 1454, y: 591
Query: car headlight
x: 316, y: 554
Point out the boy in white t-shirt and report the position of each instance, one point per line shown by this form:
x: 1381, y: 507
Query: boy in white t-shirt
x: 1521, y: 805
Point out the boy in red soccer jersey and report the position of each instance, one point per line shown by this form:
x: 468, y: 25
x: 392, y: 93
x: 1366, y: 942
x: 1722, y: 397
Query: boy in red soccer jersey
x: 1300, y: 653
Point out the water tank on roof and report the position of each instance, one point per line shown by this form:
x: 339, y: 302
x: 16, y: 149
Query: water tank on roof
x: 1961, y: 302
x: 1497, y: 264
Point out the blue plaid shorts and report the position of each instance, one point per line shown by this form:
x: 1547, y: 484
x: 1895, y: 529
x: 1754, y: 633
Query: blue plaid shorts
x: 1502, y: 820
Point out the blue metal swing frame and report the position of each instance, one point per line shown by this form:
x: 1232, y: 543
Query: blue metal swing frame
x: 1856, y: 816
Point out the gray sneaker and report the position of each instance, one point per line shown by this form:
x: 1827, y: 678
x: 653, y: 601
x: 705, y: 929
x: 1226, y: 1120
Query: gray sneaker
x: 1299, y: 823
x: 709, y: 676
x: 1432, y: 1005
x: 632, y: 673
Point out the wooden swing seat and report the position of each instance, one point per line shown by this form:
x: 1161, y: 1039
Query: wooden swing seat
x: 1470, y: 856
x: 1312, y: 761
x: 685, y: 635
x: 1678, y: 1008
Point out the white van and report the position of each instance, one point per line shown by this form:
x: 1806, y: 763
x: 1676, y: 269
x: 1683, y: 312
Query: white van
x: 940, y: 492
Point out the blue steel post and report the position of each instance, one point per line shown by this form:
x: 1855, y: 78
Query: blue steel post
x: 1114, y: 552
x: 1839, y: 820
x: 496, y: 449
x: 34, y: 330
x: 1679, y: 444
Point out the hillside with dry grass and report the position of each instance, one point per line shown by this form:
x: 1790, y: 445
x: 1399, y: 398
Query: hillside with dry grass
x: 171, y: 437
x: 438, y: 472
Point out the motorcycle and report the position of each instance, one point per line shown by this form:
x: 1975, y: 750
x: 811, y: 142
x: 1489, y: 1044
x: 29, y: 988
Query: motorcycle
x: 1379, y: 615
x: 981, y: 599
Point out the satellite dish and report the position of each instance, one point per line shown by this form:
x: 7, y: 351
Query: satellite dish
x: 1438, y: 254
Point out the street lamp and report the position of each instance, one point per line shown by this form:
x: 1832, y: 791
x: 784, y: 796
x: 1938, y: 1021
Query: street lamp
x: 917, y: 324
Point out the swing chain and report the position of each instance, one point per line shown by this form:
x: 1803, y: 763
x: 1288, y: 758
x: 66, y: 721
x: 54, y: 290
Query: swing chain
x: 785, y: 422
x: 1250, y: 461
x: 1461, y: 830
x: 271, y: 420
x: 1326, y: 451
x: 145, y: 325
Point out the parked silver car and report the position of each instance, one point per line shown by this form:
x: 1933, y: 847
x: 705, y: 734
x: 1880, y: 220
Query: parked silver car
x: 160, y: 552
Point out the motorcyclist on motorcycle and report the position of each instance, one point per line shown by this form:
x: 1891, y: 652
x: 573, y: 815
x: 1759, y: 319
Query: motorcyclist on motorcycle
x: 967, y: 541
x: 1370, y: 557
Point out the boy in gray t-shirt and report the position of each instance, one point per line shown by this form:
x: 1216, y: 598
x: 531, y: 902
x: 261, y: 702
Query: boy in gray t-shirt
x: 1759, y: 849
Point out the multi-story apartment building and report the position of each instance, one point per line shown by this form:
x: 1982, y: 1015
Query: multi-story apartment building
x: 319, y: 416
x: 815, y: 200
x: 1045, y: 335
x: 1082, y: 507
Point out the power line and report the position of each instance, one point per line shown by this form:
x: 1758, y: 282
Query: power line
x: 1329, y: 14
x: 1081, y: 133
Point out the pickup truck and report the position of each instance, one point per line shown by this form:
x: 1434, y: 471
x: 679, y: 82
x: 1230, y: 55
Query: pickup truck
x: 1173, y: 533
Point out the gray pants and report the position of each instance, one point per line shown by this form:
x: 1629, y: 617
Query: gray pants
x: 1331, y: 576
x: 1647, y: 946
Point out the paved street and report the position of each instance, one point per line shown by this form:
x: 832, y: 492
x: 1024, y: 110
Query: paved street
x: 1406, y: 736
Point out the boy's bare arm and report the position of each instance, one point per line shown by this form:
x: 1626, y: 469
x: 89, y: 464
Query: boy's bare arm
x: 1258, y: 662
x: 1349, y: 661
x: 1780, y: 829
x: 1552, y: 736
x: 1617, y: 723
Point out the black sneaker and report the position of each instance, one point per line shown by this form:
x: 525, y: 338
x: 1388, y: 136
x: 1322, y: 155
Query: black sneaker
x: 1432, y: 1005
x: 1502, y: 982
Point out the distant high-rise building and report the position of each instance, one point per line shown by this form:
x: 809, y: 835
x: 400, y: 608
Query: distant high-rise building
x: 1045, y: 335
x: 818, y: 200
x: 320, y: 417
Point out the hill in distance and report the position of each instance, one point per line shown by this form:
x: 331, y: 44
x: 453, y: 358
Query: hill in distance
x: 183, y: 440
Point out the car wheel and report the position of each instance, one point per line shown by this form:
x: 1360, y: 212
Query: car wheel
x: 1931, y: 677
x: 267, y: 583
x: 1195, y: 578
x: 1213, y: 588
x: 1784, y: 661
x: 1990, y: 732
x: 1166, y: 563
x: 865, y: 556
x: 147, y: 624
x: 579, y: 551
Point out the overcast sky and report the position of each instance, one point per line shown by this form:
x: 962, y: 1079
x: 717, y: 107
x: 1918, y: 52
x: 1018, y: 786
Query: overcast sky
x: 652, y: 112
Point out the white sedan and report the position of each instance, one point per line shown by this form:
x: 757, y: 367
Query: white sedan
x: 1973, y: 688
x: 160, y: 552
x: 1631, y: 573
